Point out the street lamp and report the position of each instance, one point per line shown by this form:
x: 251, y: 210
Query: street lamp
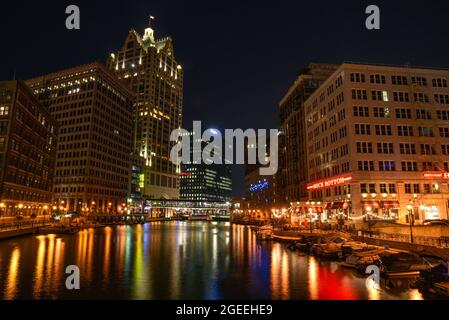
x: 410, y: 220
x: 368, y: 217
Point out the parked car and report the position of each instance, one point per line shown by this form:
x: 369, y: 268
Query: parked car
x: 436, y: 223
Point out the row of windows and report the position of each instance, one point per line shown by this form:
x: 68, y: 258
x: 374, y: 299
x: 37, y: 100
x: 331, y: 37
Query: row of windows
x: 397, y: 80
x: 376, y: 95
x: 407, y: 166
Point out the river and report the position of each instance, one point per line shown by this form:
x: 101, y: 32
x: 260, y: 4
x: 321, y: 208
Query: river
x: 175, y: 260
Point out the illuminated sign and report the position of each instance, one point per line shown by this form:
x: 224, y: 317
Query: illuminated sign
x: 141, y: 180
x: 258, y: 187
x: 329, y: 183
x: 441, y: 175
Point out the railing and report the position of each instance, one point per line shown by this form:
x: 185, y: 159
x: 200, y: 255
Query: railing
x: 10, y: 226
x: 441, y: 242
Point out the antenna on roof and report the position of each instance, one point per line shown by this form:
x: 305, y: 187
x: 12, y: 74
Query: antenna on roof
x: 14, y: 75
x: 149, y: 22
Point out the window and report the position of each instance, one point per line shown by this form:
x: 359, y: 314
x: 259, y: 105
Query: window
x: 429, y: 166
x: 376, y: 95
x: 420, y: 81
x: 403, y: 113
x: 407, y: 148
x: 426, y: 188
x: 445, y: 149
x: 4, y: 110
x: 363, y: 188
x: 357, y: 77
x: 441, y: 98
x: 405, y: 131
x: 381, y: 112
x: 416, y: 188
x: 408, y: 188
x: 364, y: 147
x: 401, y: 97
x: 421, y: 97
x: 444, y: 132
x: 361, y: 111
x: 387, y: 166
x: 427, y: 149
x: 366, y: 165
x: 423, y: 114
x: 392, y: 188
x: 383, y: 130
x: 377, y: 78
x: 425, y: 132
x: 443, y: 114
x: 399, y: 80
x: 358, y: 94
x: 410, y: 166
x: 372, y: 188
x: 385, y: 148
x: 362, y: 129
x: 341, y: 115
x: 439, y: 82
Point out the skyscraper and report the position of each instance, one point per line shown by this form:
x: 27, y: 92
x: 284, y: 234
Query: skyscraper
x: 27, y: 151
x: 149, y: 66
x: 292, y: 175
x: 94, y: 113
x: 200, y: 181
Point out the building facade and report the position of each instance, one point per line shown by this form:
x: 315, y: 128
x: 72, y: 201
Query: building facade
x: 378, y: 144
x: 149, y: 67
x: 27, y: 152
x: 94, y: 113
x: 292, y: 175
x: 206, y: 182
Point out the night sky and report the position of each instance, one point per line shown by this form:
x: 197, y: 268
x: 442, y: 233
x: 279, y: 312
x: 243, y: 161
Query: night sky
x: 239, y: 58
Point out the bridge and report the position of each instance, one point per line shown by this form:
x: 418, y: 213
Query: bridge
x: 187, y: 209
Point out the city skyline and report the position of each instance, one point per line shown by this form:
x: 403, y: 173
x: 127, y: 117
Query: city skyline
x: 266, y: 52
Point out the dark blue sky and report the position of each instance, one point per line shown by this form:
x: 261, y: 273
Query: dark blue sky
x: 239, y: 56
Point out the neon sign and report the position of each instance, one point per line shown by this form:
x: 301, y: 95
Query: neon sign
x: 441, y: 175
x: 329, y: 183
x: 259, y: 187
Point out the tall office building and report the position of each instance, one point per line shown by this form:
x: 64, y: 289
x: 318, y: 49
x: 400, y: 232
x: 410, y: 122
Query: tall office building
x: 378, y: 143
x: 206, y: 182
x: 292, y: 175
x: 27, y: 151
x: 149, y: 66
x: 201, y: 182
x: 94, y: 113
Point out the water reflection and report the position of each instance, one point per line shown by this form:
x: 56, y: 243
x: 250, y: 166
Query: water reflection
x: 179, y: 260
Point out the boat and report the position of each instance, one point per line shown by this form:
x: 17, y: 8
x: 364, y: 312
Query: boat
x: 361, y: 260
x: 435, y: 280
x: 351, y: 247
x: 401, y: 264
x: 264, y: 234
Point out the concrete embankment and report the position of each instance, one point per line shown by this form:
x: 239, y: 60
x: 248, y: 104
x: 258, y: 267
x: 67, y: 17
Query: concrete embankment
x: 17, y: 233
